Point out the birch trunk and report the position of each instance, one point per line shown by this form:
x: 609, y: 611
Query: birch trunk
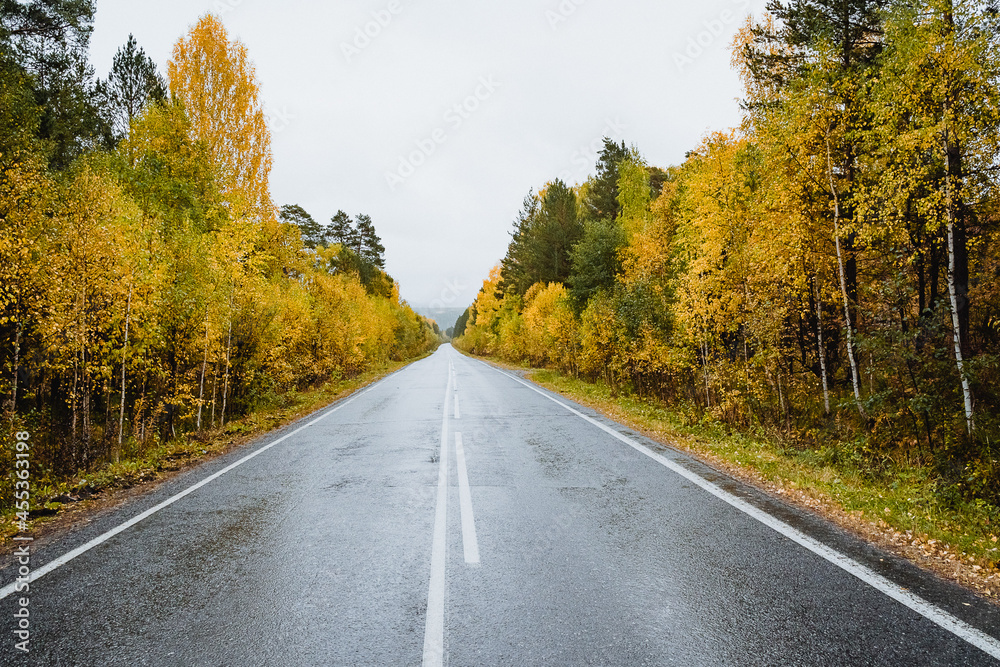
x: 76, y: 381
x: 85, y: 376
x: 204, y: 367
x: 704, y: 356
x: 215, y: 390
x: 225, y: 384
x: 956, y: 327
x: 17, y: 362
x: 121, y: 411
x: 781, y: 396
x: 843, y: 282
x: 822, y: 349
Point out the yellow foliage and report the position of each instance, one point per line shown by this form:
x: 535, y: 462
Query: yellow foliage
x: 544, y: 339
x: 218, y: 86
x: 599, y: 337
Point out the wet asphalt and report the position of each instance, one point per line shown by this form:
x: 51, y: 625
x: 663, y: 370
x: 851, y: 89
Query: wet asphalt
x: 318, y: 552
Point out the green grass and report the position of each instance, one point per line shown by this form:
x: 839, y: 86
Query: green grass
x: 899, y: 498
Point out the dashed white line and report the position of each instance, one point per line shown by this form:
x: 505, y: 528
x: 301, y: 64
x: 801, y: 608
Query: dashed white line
x: 458, y: 413
x: 470, y: 543
x: 434, y: 622
x: 956, y: 626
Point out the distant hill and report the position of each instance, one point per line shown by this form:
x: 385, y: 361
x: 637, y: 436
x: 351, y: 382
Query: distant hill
x: 445, y: 317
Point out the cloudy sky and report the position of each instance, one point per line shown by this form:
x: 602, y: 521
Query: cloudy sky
x: 436, y: 118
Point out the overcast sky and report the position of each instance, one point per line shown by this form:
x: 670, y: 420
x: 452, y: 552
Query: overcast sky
x: 436, y: 118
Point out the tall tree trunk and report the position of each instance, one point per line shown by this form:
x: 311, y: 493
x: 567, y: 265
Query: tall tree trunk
x: 215, y: 390
x: 84, y: 366
x: 73, y: 401
x: 822, y: 348
x: 141, y: 413
x: 17, y: 363
x: 934, y: 275
x: 225, y: 385
x: 201, y: 387
x: 781, y: 395
x: 958, y: 257
x: 921, y: 283
x: 121, y: 411
x: 708, y: 391
x: 229, y: 349
x: 174, y: 360
x: 85, y: 377
x: 953, y: 283
x: 843, y: 281
x: 846, y: 209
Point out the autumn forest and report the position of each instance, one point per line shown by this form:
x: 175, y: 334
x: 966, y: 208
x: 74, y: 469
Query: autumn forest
x: 149, y: 286
x: 827, y: 273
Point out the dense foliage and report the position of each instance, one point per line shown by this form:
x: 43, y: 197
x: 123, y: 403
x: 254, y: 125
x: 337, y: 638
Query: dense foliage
x: 148, y: 285
x: 829, y: 270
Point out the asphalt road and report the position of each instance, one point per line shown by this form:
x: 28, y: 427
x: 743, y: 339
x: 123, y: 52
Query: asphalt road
x: 453, y: 514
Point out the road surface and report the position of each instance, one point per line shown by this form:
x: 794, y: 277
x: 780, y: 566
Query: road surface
x: 453, y: 514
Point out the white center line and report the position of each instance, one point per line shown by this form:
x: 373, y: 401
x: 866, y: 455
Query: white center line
x: 943, y: 619
x: 469, y: 540
x: 434, y: 624
x: 458, y: 413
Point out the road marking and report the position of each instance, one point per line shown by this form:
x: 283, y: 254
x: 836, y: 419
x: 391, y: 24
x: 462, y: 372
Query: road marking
x: 469, y: 541
x: 458, y: 413
x: 434, y: 623
x: 956, y: 626
x: 100, y: 539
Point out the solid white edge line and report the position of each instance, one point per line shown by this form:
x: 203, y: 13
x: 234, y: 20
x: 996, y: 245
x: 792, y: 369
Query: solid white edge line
x: 104, y: 537
x: 984, y: 642
x: 434, y: 622
x: 470, y: 543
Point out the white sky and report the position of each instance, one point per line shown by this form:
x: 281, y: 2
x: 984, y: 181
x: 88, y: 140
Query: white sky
x: 552, y: 77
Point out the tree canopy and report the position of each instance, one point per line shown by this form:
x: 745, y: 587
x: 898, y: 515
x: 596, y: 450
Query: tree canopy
x: 148, y: 287
x: 829, y: 268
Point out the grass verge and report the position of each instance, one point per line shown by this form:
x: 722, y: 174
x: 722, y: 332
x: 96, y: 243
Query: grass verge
x: 50, y: 499
x: 898, y: 509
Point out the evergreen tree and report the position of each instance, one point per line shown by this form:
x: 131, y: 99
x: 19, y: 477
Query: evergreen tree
x: 369, y: 245
x: 596, y: 260
x: 601, y: 201
x: 20, y: 115
x: 131, y: 85
x: 341, y: 230
x: 462, y: 323
x: 544, y: 234
x: 558, y: 230
x: 513, y: 276
x: 312, y: 232
x: 49, y: 40
x: 853, y: 28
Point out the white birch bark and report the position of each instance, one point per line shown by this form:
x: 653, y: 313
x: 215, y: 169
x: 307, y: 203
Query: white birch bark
x: 843, y: 281
x: 822, y: 349
x: 956, y: 328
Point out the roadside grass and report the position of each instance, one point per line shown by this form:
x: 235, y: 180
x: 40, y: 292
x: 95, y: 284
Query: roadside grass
x: 900, y: 504
x: 50, y: 496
